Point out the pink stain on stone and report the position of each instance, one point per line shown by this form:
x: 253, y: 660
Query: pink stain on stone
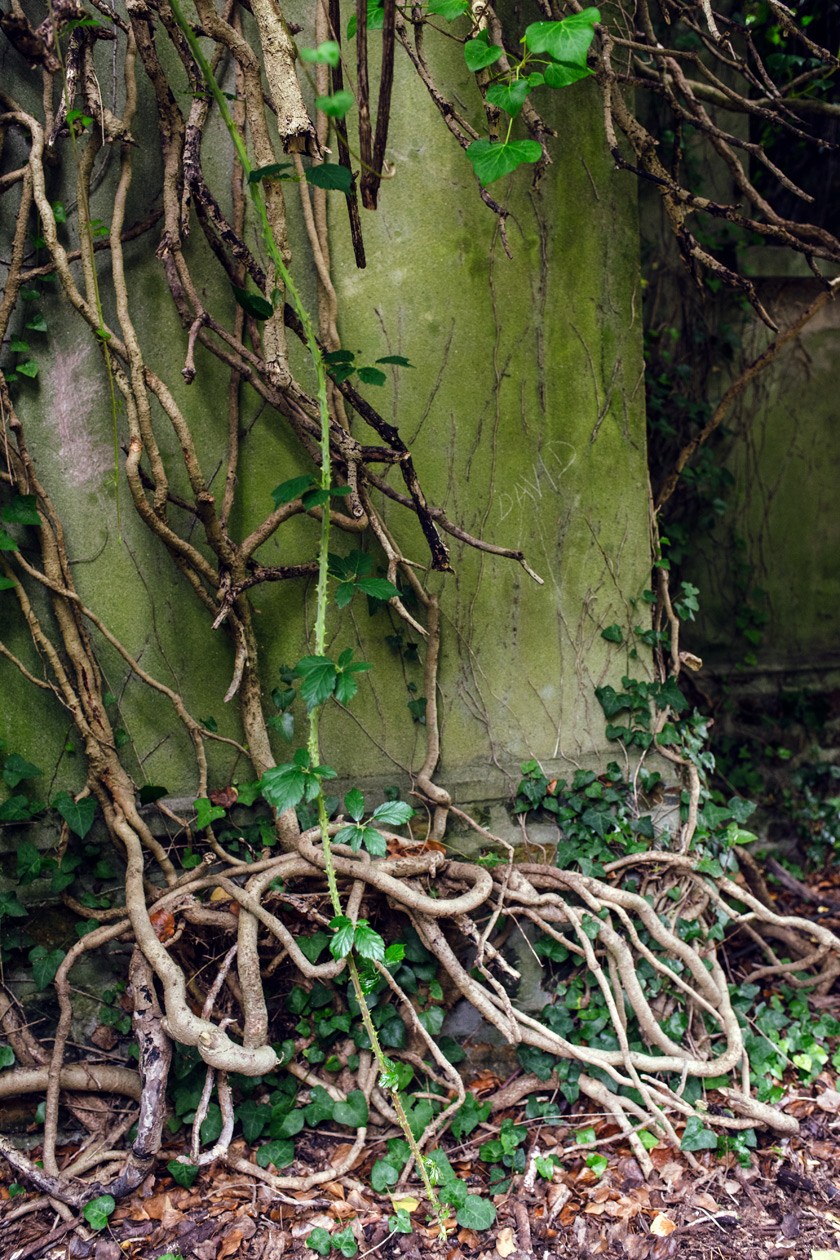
x: 79, y: 408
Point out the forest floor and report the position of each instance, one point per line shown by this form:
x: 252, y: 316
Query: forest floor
x: 785, y: 1205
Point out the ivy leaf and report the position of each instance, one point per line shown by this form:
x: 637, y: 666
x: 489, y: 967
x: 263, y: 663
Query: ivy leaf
x: 477, y: 1213
x: 17, y: 768
x: 149, y: 793
x: 29, y: 368
x: 284, y: 723
x: 7, y: 543
x: 79, y: 815
x: 479, y: 53
x: 280, y: 1154
x: 6, y: 584
x: 394, y: 813
x: 561, y: 76
x: 318, y: 1239
x: 15, y: 809
x: 337, y: 105
x: 183, y: 1174
x: 287, y: 491
x: 375, y: 20
x: 319, y: 678
x: 284, y: 786
x: 353, y: 1112
x: 253, y: 1117
x: 511, y: 97
x: 290, y: 1124
x: 613, y: 633
x: 326, y: 54
x: 252, y: 303
x: 493, y: 161
x: 432, y: 1020
x: 312, y: 947
x: 342, y: 941
x: 37, y: 323
x: 330, y: 176
x: 96, y: 1212
x: 7, y: 1056
x: 45, y: 965
x: 696, y: 1138
x: 449, y: 10
x: 368, y: 943
x: 10, y: 905
x: 377, y: 588
x: 17, y: 346
x: 29, y: 863
x: 354, y: 803
x: 372, y: 376
x: 206, y: 813
x: 566, y: 41
x: 383, y: 1175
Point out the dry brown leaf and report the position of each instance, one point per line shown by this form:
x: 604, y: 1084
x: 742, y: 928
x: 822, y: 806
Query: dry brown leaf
x: 224, y: 797
x: 662, y: 1225
x: 637, y: 1246
x: 341, y: 1210
x: 487, y: 1080
x: 335, y: 1188
x: 455, y: 1253
x: 163, y: 923
x: 505, y: 1243
x: 595, y: 1209
x: 230, y: 1244
x: 156, y: 1206
x: 703, y: 1200
x: 468, y: 1238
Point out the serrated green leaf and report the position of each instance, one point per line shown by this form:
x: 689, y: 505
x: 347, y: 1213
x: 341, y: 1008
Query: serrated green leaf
x: 337, y: 105
x: 284, y: 786
x: 354, y: 804
x: 493, y: 161
x: 374, y: 842
x: 396, y: 359
x: 368, y: 943
x: 342, y: 940
x: 319, y: 678
x: 274, y: 170
x: 316, y: 497
x: 377, y: 588
x: 372, y: 376
x: 344, y: 593
x: 394, y: 813
x: 292, y: 489
x: 253, y: 303
x: 331, y: 176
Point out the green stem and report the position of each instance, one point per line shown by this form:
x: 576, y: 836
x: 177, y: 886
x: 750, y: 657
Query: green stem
x: 323, y: 562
